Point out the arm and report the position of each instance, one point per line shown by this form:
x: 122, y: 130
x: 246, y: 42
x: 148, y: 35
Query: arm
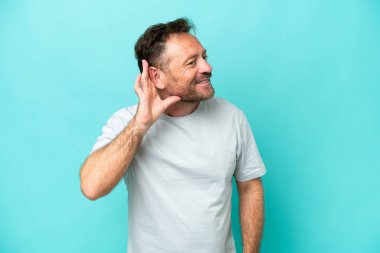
x: 251, y: 210
x: 104, y: 168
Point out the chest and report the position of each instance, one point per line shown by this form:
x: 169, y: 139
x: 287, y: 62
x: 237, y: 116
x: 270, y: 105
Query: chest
x: 199, y: 151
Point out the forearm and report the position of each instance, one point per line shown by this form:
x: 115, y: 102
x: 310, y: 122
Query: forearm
x: 104, y: 168
x: 251, y: 208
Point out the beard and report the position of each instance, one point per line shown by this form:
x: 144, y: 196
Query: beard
x: 202, y: 92
x: 199, y: 89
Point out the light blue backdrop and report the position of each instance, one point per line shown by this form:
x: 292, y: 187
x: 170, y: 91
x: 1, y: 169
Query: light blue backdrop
x: 306, y: 72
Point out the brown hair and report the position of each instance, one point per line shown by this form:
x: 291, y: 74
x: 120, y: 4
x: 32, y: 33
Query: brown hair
x: 151, y: 43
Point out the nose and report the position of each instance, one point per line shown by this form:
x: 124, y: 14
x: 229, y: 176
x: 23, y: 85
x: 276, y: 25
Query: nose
x: 204, y: 67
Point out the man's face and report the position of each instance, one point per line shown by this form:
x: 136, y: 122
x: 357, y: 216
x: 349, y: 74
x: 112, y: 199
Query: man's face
x: 186, y: 73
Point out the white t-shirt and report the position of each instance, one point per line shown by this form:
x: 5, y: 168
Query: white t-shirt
x: 180, y: 180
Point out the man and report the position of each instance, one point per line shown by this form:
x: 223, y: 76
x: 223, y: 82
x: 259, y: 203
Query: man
x: 177, y: 151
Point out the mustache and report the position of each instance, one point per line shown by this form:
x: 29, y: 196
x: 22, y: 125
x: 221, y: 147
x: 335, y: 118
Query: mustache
x: 204, y: 77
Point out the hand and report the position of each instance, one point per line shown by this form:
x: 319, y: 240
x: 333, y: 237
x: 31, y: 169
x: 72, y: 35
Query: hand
x: 150, y: 104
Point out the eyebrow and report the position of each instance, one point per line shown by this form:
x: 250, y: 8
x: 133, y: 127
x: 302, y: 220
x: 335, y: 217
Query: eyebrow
x: 194, y: 55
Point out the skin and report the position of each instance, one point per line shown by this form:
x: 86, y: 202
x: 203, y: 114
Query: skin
x: 159, y: 91
x: 251, y: 212
x: 186, y: 74
x: 104, y: 168
x: 176, y: 90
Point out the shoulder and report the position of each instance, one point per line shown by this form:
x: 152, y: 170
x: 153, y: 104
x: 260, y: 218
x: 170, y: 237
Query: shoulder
x: 124, y: 114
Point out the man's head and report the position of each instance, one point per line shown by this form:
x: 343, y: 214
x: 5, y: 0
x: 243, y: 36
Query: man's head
x: 177, y: 60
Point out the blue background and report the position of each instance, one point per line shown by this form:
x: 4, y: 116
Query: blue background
x: 306, y: 73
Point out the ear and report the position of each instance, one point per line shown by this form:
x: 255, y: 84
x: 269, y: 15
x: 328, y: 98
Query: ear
x: 154, y: 75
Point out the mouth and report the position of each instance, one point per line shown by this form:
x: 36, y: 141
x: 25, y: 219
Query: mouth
x: 203, y: 81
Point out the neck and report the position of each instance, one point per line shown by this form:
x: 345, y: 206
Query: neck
x: 182, y: 108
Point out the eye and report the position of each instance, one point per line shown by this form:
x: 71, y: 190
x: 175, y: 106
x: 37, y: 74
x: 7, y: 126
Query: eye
x: 192, y: 63
x: 205, y: 57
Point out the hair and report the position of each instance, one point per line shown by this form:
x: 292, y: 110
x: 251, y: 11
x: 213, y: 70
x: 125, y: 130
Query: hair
x: 151, y: 44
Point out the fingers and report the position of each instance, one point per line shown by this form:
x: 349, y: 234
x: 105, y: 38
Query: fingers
x: 144, y: 87
x: 146, y: 83
x: 141, y: 80
x: 138, y: 88
x: 145, y: 76
x: 145, y: 66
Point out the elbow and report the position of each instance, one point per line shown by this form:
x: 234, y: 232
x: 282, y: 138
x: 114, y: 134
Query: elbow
x: 87, y: 188
x: 90, y: 196
x: 89, y: 192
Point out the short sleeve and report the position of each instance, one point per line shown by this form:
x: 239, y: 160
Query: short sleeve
x: 115, y: 124
x: 249, y: 164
